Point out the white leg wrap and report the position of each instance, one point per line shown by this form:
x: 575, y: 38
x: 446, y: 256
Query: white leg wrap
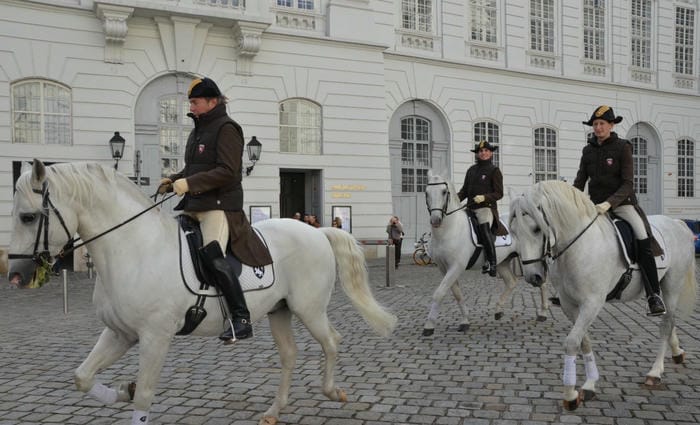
x: 591, y: 368
x: 139, y: 418
x: 102, y: 393
x: 569, y: 370
x: 433, y: 315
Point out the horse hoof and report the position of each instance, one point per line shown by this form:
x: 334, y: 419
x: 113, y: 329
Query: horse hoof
x: 679, y: 358
x: 588, y: 395
x: 573, y: 404
x: 342, y: 395
x: 428, y: 332
x: 268, y: 420
x: 463, y: 327
x: 541, y: 318
x: 652, y: 381
x: 125, y: 391
x: 499, y: 315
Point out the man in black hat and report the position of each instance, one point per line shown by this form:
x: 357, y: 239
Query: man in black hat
x: 483, y: 186
x: 213, y: 194
x: 606, y: 164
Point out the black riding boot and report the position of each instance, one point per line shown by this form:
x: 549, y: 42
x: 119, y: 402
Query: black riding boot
x: 488, y: 241
x: 647, y: 265
x: 230, y: 287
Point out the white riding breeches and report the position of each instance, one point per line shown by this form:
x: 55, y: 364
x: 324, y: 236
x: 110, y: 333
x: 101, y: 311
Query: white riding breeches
x: 214, y: 226
x: 630, y: 215
x: 484, y: 215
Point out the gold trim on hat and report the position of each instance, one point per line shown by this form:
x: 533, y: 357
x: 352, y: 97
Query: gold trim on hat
x: 192, y: 85
x: 601, y: 110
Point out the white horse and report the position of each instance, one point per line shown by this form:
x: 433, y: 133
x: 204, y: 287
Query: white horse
x: 560, y: 233
x: 451, y: 247
x: 140, y: 295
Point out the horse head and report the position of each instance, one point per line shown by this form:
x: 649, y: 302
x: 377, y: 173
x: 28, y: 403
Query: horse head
x: 440, y: 197
x: 41, y: 225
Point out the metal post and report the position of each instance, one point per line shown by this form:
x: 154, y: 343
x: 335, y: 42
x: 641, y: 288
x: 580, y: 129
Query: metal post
x: 65, y: 291
x: 390, y: 265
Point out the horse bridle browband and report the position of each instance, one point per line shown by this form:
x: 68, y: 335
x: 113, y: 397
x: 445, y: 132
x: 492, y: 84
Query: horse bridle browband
x: 39, y: 257
x: 442, y: 210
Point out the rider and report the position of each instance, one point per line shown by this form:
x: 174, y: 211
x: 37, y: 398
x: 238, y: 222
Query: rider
x: 606, y: 164
x: 483, y: 185
x: 211, y: 185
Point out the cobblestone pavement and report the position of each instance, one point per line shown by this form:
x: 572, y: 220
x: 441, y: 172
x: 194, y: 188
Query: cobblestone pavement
x: 498, y: 372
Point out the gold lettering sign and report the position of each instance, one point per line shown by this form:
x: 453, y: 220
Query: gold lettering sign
x: 349, y: 187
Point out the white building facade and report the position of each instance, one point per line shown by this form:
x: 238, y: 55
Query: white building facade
x: 355, y: 100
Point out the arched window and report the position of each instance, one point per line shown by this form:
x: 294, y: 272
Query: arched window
x: 545, y: 154
x: 686, y: 168
x: 173, y: 128
x: 640, y: 161
x: 300, y: 127
x: 41, y: 113
x: 415, y: 154
x: 489, y: 132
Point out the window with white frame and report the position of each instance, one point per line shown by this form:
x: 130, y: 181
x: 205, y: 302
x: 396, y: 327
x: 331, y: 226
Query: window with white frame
x: 300, y: 127
x: 417, y: 15
x: 542, y: 25
x: 594, y: 29
x: 299, y: 4
x: 484, y: 23
x: 41, y: 113
x: 686, y: 168
x: 489, y: 132
x: 640, y: 164
x: 641, y: 33
x: 174, y: 127
x: 545, y: 154
x: 415, y: 154
x: 685, y: 24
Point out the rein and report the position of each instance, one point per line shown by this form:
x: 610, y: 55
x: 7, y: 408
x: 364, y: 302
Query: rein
x: 70, y: 246
x: 547, y: 248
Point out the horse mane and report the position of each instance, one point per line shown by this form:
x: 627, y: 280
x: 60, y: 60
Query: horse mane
x: 76, y: 182
x: 561, y: 203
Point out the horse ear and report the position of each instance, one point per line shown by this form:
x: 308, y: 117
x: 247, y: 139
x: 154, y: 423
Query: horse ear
x: 38, y: 172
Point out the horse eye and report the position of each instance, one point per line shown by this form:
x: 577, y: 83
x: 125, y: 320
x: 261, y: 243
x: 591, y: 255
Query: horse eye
x: 537, y: 230
x: 27, y: 218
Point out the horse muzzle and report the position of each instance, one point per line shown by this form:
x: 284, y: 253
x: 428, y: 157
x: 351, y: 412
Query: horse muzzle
x: 21, y: 272
x: 535, y: 280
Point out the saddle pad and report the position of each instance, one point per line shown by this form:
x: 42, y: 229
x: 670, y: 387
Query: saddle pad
x: 661, y: 261
x: 505, y: 240
x: 251, y: 278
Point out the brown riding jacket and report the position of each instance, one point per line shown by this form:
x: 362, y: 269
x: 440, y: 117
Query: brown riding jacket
x: 213, y: 169
x: 484, y: 178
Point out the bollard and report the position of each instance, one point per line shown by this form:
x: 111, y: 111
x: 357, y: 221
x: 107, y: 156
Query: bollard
x: 65, y: 291
x: 390, y: 266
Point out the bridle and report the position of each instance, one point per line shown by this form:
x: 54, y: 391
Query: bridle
x: 41, y: 257
x: 443, y: 210
x: 547, y: 247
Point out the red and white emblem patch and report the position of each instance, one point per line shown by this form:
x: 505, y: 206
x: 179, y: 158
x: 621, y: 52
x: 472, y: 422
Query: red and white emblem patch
x: 201, y: 149
x: 609, y: 161
x: 483, y: 177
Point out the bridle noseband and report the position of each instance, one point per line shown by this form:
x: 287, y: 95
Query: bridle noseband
x: 443, y: 210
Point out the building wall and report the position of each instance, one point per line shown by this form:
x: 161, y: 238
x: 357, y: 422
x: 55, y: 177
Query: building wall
x: 349, y: 57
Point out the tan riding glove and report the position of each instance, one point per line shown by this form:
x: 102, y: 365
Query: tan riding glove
x: 166, y: 185
x: 603, y: 207
x: 180, y: 187
x: 479, y: 199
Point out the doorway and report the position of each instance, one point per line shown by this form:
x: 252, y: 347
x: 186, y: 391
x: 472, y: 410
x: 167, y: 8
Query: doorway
x: 300, y: 191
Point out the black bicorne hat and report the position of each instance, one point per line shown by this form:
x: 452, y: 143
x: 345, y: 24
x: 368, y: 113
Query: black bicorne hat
x: 203, y: 87
x: 484, y: 145
x: 603, y: 113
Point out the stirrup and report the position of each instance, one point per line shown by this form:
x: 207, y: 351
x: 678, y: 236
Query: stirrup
x: 656, y: 306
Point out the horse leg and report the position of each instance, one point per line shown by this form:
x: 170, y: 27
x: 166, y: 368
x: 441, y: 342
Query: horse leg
x: 447, y: 281
x: 281, y: 329
x: 543, y: 309
x: 585, y: 315
x: 152, y: 351
x: 323, y: 332
x: 677, y: 352
x: 510, y: 282
x: 457, y: 293
x: 592, y: 375
x: 667, y: 331
x: 109, y: 348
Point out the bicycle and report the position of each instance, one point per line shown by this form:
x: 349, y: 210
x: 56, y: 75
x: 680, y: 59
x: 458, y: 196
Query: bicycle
x: 420, y: 255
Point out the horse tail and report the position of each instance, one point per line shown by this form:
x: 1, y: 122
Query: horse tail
x: 352, y: 272
x: 689, y: 293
